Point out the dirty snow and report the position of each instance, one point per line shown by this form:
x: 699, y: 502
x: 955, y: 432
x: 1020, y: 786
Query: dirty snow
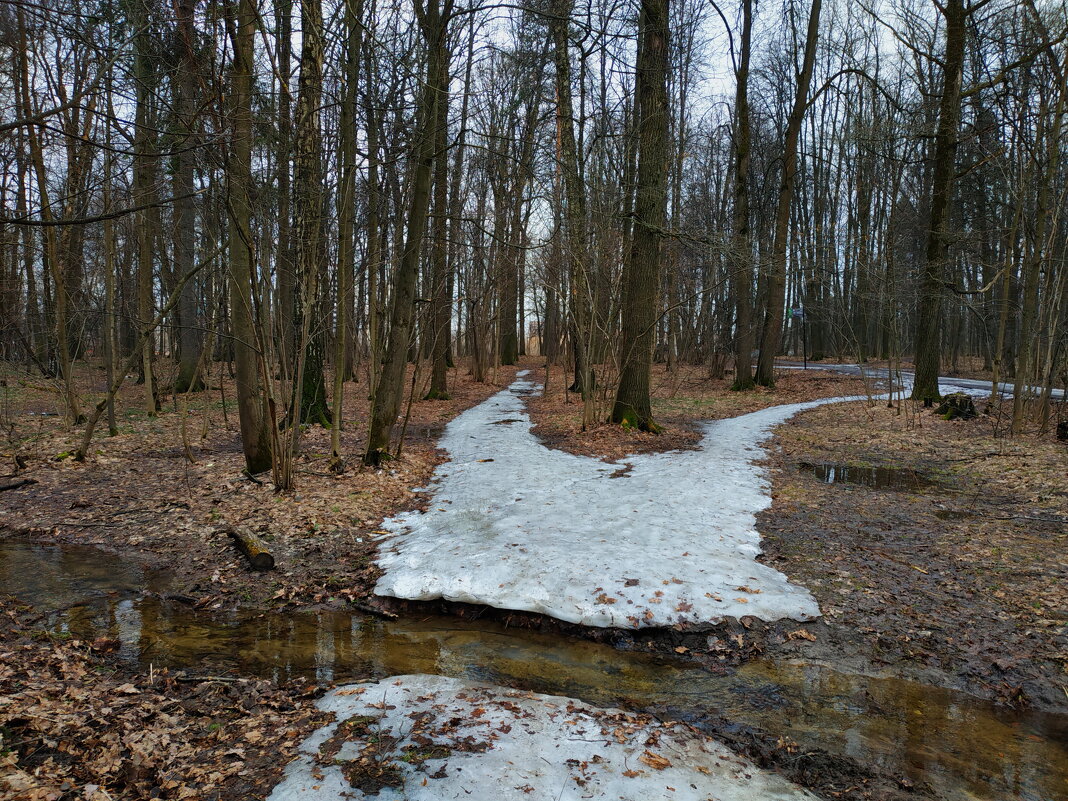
x: 509, y: 744
x: 516, y: 525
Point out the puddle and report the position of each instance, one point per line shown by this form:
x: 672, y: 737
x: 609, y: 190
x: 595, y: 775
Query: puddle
x: 898, y: 478
x: 53, y: 577
x: 965, y: 748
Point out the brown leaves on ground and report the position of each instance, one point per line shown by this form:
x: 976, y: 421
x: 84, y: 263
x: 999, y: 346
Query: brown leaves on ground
x: 968, y: 576
x: 137, y: 492
x: 74, y: 726
x: 655, y: 761
x: 681, y: 399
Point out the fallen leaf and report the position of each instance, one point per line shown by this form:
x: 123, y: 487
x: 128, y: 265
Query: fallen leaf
x: 654, y: 761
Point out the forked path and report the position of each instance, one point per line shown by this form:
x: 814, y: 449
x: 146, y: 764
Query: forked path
x: 667, y: 539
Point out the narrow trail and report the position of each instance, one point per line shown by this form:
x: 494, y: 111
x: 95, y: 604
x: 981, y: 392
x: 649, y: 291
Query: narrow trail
x: 654, y: 541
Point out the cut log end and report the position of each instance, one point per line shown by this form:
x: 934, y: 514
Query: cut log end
x: 255, y: 549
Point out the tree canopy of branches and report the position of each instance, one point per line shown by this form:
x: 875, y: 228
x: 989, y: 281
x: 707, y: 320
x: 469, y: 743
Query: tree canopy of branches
x: 333, y: 193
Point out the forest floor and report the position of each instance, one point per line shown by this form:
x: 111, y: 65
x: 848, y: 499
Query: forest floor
x: 959, y: 573
x: 320, y: 534
x: 77, y: 723
x: 681, y: 399
x: 958, y: 578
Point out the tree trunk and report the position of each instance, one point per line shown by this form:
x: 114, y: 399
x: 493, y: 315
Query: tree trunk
x: 310, y: 313
x: 439, y: 317
x: 641, y: 271
x: 929, y: 322
x: 251, y: 399
x: 773, y: 314
x: 574, y: 197
x: 190, y: 333
x: 143, y: 172
x: 283, y: 260
x: 433, y: 22
x: 346, y: 254
x: 741, y: 247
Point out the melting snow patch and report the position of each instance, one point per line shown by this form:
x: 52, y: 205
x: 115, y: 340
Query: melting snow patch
x: 516, y: 525
x: 427, y: 737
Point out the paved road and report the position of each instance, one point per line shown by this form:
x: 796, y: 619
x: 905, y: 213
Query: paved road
x: 970, y: 385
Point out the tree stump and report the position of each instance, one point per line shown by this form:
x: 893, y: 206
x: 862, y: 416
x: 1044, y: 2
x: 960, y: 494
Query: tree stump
x: 958, y: 406
x: 255, y: 549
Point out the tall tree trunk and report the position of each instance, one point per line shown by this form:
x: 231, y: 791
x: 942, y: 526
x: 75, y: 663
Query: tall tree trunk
x: 51, y: 254
x: 741, y: 247
x: 310, y: 313
x: 932, y: 280
x: 144, y: 194
x: 574, y: 197
x: 190, y: 333
x: 283, y: 261
x: 346, y: 252
x: 251, y: 398
x: 641, y: 271
x: 773, y: 314
x: 439, y: 317
x: 456, y: 183
x: 433, y: 22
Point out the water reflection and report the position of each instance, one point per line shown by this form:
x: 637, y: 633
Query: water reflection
x: 877, y: 477
x: 965, y: 748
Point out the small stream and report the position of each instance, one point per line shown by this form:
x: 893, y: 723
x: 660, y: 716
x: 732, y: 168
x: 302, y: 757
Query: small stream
x: 963, y: 747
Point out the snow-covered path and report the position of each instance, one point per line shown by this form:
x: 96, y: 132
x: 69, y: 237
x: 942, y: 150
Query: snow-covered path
x: 516, y: 525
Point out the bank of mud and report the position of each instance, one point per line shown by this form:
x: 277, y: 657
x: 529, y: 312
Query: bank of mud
x: 963, y: 581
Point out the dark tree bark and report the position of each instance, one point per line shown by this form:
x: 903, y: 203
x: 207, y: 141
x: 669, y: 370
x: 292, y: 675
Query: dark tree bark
x: 251, y: 398
x: 433, y: 17
x: 440, y: 299
x: 741, y: 246
x: 776, y: 299
x: 190, y: 331
x: 310, y: 312
x: 283, y: 263
x: 932, y: 279
x: 574, y: 200
x: 641, y: 271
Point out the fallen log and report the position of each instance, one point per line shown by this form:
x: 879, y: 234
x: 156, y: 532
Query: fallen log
x: 24, y: 482
x: 255, y: 549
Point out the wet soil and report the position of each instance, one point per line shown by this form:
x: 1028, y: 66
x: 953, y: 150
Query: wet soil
x: 962, y: 581
x: 878, y: 476
x: 845, y: 735
x: 956, y: 586
x: 140, y: 496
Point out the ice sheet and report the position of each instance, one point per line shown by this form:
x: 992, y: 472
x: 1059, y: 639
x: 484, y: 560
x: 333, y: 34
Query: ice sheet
x: 516, y: 525
x: 508, y: 744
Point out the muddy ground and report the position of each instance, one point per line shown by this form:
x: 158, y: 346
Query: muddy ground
x: 681, y: 399
x: 141, y: 496
x: 961, y: 578
x: 77, y: 724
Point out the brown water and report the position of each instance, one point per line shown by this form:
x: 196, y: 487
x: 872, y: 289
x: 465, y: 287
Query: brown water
x: 879, y: 477
x: 963, y: 747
